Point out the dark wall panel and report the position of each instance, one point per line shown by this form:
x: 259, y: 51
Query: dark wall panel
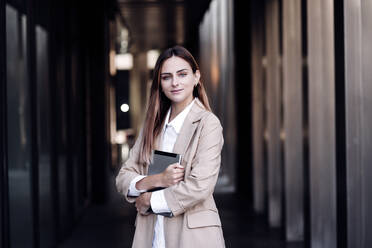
x: 3, y: 136
x: 243, y: 92
x: 257, y: 47
x: 19, y: 130
x: 122, y: 97
x: 54, y: 59
x: 47, y: 232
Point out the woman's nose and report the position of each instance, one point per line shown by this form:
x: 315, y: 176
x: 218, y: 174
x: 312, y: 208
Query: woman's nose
x: 175, y: 82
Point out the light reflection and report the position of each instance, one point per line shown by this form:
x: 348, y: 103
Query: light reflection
x: 124, y: 107
x: 152, y: 56
x: 124, y: 61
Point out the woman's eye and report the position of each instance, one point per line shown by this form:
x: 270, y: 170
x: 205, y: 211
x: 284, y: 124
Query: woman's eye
x: 183, y: 74
x: 165, y: 78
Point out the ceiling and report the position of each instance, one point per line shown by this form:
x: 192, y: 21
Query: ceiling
x: 157, y: 24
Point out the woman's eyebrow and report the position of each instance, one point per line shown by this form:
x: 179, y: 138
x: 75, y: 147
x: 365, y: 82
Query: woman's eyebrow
x: 169, y: 73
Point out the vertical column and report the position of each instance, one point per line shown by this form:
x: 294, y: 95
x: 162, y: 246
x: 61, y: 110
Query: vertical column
x: 214, y: 56
x: 358, y: 99
x: 222, y: 95
x: 53, y: 65
x: 70, y: 149
x: 226, y: 92
x: 257, y: 106
x: 293, y: 145
x: 230, y: 107
x: 4, y: 222
x: 322, y: 123
x: 367, y: 120
x: 18, y: 127
x: 217, y: 68
x: 98, y: 72
x: 46, y: 219
x: 32, y: 87
x: 273, y: 112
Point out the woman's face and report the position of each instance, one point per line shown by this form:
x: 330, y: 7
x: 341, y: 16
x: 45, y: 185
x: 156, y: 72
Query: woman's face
x: 178, y: 80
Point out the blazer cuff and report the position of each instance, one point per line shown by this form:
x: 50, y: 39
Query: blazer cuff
x: 123, y: 184
x: 133, y: 191
x: 174, y: 205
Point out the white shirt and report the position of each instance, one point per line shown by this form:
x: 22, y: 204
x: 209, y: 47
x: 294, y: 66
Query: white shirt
x: 158, y: 203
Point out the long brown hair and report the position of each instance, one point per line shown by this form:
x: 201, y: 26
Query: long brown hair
x: 159, y: 104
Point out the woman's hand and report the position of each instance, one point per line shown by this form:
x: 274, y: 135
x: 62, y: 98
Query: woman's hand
x: 143, y: 203
x: 173, y: 174
x: 170, y: 176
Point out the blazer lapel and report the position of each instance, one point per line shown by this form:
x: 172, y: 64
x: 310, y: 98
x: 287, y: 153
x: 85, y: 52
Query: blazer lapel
x: 188, y: 128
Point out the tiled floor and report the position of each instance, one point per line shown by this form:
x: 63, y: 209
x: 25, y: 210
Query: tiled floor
x: 111, y: 226
x: 104, y: 226
x: 242, y: 228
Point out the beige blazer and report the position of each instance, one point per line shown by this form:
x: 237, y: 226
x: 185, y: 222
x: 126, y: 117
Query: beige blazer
x: 196, y: 222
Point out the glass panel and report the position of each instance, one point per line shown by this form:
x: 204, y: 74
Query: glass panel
x: 3, y: 189
x: 76, y: 132
x: 45, y: 194
x: 64, y: 215
x: 63, y: 204
x: 19, y: 133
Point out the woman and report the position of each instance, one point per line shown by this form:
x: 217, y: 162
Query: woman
x: 178, y: 120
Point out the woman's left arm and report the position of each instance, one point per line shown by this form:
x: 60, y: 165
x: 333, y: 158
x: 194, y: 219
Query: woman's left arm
x: 202, y: 179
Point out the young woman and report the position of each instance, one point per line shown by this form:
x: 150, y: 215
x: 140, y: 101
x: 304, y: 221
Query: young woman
x: 178, y: 120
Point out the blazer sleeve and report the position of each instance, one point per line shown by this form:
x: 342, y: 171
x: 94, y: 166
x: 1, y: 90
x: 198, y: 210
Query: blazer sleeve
x: 204, y: 173
x: 129, y: 170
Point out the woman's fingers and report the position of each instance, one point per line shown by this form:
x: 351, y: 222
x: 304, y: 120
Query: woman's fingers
x: 173, y: 174
x: 178, y: 175
x: 175, y: 166
x: 178, y: 170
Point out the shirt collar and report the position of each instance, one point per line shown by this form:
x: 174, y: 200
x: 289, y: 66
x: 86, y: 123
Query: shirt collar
x: 177, y: 122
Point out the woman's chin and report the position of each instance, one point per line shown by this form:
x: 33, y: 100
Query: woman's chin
x: 177, y: 98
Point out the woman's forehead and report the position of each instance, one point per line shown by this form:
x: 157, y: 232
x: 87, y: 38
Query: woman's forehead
x: 174, y: 64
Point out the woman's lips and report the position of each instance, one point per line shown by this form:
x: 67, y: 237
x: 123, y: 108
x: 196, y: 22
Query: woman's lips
x: 176, y: 91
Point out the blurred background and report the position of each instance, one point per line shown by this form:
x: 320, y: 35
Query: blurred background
x: 290, y: 81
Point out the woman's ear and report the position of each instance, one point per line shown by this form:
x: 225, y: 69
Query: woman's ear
x: 197, y: 76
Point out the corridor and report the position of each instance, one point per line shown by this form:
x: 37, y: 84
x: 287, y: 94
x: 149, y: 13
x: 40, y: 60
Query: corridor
x: 288, y: 80
x: 111, y: 225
